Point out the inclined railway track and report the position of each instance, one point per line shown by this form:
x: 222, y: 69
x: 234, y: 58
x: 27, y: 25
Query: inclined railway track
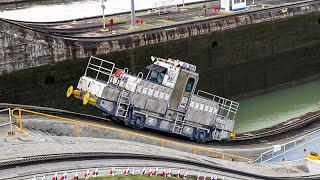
x: 243, y: 138
x: 37, y: 160
x: 282, y: 129
x: 67, y: 157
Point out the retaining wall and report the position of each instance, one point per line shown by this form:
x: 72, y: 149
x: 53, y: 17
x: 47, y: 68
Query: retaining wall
x: 235, y: 55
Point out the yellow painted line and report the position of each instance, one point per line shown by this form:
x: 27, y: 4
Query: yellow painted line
x: 125, y: 133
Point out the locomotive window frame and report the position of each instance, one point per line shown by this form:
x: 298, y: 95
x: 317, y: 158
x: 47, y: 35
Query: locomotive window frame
x: 190, y: 84
x: 157, y: 77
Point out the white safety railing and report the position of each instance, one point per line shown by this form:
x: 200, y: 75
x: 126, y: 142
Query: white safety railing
x: 227, y: 108
x: 10, y: 119
x: 97, y: 66
x: 165, y: 6
x: 281, y: 150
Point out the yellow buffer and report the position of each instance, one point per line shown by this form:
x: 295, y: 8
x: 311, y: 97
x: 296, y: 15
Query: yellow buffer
x: 313, y: 156
x: 232, y: 135
x: 87, y: 98
x: 71, y: 91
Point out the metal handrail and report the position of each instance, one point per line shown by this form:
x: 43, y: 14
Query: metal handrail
x: 226, y: 104
x: 126, y: 133
x: 10, y: 119
x: 100, y: 68
x: 290, y: 142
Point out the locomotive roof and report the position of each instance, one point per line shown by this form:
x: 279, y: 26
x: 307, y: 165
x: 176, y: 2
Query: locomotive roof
x: 169, y: 62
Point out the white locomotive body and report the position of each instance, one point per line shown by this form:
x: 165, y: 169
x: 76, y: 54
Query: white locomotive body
x: 164, y: 100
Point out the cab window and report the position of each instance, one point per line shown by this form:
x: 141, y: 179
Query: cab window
x: 189, y: 85
x: 156, y: 77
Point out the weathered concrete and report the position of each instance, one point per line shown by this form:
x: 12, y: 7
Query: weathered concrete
x: 26, y: 147
x: 113, y: 132
x: 252, y: 151
x: 22, y: 48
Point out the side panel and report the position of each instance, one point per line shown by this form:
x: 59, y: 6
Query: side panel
x: 92, y: 86
x: 151, y: 97
x: 110, y: 93
x: 202, y: 111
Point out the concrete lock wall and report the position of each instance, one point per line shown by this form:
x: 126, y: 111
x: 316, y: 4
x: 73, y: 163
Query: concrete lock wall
x: 231, y: 62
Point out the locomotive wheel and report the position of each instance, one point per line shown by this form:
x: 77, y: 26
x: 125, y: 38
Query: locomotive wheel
x: 200, y: 136
x: 136, y: 122
x: 139, y: 122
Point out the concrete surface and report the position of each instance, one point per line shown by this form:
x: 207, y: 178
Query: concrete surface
x: 105, y: 165
x: 17, y: 148
x: 42, y: 143
x: 50, y: 126
x: 296, y: 150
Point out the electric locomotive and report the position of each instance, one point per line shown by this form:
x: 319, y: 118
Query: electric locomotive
x: 164, y: 100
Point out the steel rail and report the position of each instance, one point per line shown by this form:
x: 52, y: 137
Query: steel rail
x: 53, y: 111
x: 25, y: 161
x: 164, y: 140
x: 285, y: 128
x: 242, y: 138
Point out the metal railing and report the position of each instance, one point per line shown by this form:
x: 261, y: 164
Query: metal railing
x: 100, y: 68
x: 128, y: 135
x: 10, y: 119
x: 165, y: 6
x: 227, y: 108
x: 287, y: 147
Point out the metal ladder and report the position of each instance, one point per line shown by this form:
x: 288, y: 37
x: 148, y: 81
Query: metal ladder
x: 123, y: 103
x: 178, y: 123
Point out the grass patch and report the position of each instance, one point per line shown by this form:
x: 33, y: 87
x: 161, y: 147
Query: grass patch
x: 138, y: 27
x: 193, y: 6
x: 166, y: 22
x: 116, y: 20
x: 197, y: 17
x: 145, y: 14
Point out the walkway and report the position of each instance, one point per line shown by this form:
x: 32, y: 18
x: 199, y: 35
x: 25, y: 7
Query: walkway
x: 294, y: 150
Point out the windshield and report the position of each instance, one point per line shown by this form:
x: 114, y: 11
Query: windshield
x: 156, y: 77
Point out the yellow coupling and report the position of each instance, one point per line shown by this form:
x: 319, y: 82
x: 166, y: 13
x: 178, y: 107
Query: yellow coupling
x: 232, y: 135
x: 87, y: 99
x: 313, y: 156
x: 71, y: 91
